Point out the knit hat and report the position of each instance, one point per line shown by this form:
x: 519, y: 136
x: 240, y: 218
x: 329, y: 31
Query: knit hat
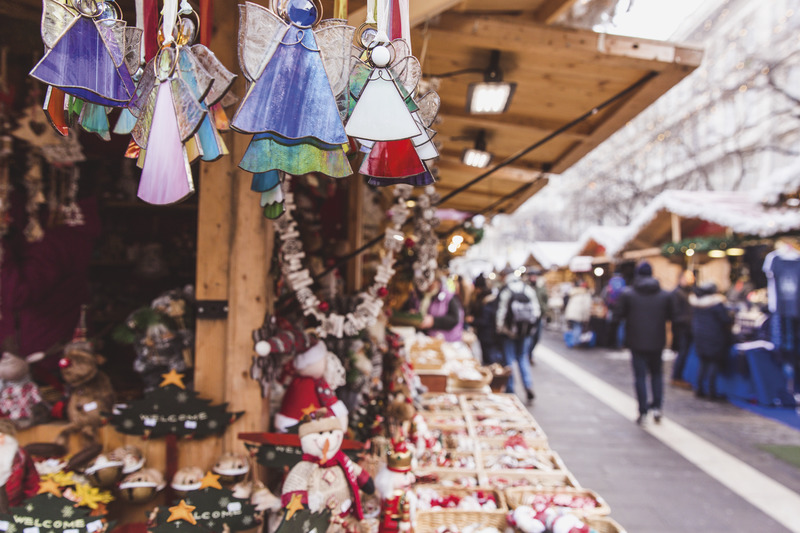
x: 644, y: 269
x: 291, y: 340
x: 399, y: 458
x: 319, y: 421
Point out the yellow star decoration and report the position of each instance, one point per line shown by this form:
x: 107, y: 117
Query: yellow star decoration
x: 91, y: 497
x: 49, y: 485
x: 294, y: 505
x: 172, y: 378
x: 308, y: 410
x: 210, y: 481
x: 61, y: 478
x: 182, y: 511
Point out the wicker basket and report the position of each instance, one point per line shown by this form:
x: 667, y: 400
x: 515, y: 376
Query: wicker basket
x: 437, y: 401
x: 506, y: 479
x: 458, y: 383
x: 518, y: 496
x: 439, y: 419
x: 551, y: 462
x: 492, y: 402
x: 499, y: 443
x: 447, y: 477
x: 430, y: 520
x: 457, y: 456
x: 604, y: 524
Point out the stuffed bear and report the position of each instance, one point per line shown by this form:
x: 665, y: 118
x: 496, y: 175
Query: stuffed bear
x: 90, y: 390
x: 20, y: 399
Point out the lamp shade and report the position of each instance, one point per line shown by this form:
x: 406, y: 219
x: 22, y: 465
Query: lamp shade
x: 489, y: 97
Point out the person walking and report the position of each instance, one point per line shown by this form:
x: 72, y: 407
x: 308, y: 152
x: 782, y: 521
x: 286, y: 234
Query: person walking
x: 483, y: 313
x: 541, y: 297
x: 646, y: 308
x: 682, y: 327
x: 517, y: 313
x: 711, y: 325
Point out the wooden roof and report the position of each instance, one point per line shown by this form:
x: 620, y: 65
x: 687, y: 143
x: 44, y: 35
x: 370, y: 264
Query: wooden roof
x: 560, y: 74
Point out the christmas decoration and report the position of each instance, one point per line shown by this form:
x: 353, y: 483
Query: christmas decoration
x: 295, y: 119
x: 426, y: 246
x: 18, y: 476
x: 20, y: 400
x: 231, y: 467
x: 173, y: 410
x: 325, y: 478
x: 212, y: 507
x: 141, y: 486
x: 48, y: 511
x: 393, y: 482
x: 299, y: 280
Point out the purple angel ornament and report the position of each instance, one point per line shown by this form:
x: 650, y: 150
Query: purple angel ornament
x: 296, y: 67
x: 170, y: 109
x: 88, y: 51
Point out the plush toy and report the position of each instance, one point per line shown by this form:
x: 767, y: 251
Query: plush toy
x: 20, y: 400
x: 104, y: 471
x: 131, y: 457
x: 141, y: 486
x: 326, y: 478
x: 90, y: 390
x: 316, y: 373
x: 398, y: 503
x: 232, y: 467
x: 187, y: 479
x: 18, y: 477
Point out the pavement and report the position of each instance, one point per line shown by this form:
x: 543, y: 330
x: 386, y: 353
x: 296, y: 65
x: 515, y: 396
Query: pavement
x: 700, y: 470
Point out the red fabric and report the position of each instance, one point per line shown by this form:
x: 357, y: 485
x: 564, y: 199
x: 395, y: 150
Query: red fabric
x: 206, y: 21
x: 305, y: 392
x: 396, y: 31
x: 150, y: 36
x: 347, y: 466
x: 392, y: 159
x: 24, y: 481
x: 43, y: 285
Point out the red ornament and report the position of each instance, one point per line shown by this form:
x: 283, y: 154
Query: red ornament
x: 64, y: 362
x: 409, y: 242
x: 382, y: 292
x: 324, y: 306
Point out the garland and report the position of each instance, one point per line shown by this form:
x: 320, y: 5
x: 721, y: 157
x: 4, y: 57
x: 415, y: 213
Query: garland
x: 426, y: 247
x: 699, y: 245
x: 298, y: 279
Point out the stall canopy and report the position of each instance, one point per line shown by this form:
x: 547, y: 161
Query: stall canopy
x: 676, y: 215
x: 560, y: 74
x: 601, y: 242
x: 550, y: 255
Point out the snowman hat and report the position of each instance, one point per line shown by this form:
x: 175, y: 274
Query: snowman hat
x: 289, y: 341
x: 319, y: 421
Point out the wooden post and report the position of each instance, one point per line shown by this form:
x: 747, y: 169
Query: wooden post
x: 355, y: 232
x: 676, y: 228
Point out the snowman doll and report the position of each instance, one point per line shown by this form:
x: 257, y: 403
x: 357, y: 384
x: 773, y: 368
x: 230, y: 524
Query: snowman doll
x: 393, y: 481
x: 326, y: 478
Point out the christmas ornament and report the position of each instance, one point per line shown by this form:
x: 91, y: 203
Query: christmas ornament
x: 171, y: 409
x: 20, y: 400
x: 231, y: 467
x: 18, y: 476
x: 141, y: 486
x: 325, y: 478
x: 393, y: 482
x: 297, y: 67
x: 51, y: 512
x: 187, y: 479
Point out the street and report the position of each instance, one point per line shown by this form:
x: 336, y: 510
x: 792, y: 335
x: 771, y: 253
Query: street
x: 701, y: 469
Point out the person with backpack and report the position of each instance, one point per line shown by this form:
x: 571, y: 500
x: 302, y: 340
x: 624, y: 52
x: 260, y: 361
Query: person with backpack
x: 518, y: 312
x: 610, y: 295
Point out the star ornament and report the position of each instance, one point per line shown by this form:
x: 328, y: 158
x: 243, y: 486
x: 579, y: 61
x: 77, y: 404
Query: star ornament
x: 309, y: 410
x: 49, y: 486
x: 91, y: 497
x: 182, y: 511
x: 294, y: 505
x: 210, y: 480
x: 172, y: 378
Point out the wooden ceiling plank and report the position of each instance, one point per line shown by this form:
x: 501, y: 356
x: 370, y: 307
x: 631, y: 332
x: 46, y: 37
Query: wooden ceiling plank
x: 418, y: 11
x: 513, y: 173
x: 525, y: 126
x: 550, y: 10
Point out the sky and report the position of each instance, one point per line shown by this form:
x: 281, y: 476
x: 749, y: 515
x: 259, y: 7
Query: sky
x: 658, y: 19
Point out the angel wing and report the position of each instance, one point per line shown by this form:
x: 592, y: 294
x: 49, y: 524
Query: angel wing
x: 408, y: 72
x: 146, y: 84
x: 196, y: 79
x: 260, y: 33
x: 56, y: 19
x: 429, y: 107
x: 133, y: 48
x: 335, y: 41
x: 223, y: 78
x: 188, y: 110
x: 141, y: 130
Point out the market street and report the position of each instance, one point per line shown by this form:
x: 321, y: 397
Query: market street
x: 650, y: 476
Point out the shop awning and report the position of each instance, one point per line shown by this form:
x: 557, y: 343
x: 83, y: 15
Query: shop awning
x: 560, y: 74
x: 676, y: 215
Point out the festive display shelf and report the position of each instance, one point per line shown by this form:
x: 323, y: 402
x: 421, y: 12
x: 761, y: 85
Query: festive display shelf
x: 604, y: 524
x: 518, y: 496
x: 430, y: 520
x: 449, y: 477
x: 500, y: 443
x: 504, y: 479
x: 440, y: 402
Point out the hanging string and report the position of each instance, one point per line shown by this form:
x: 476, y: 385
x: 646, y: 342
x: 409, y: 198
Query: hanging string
x: 382, y: 35
x: 371, y: 7
x: 169, y: 16
x: 340, y: 9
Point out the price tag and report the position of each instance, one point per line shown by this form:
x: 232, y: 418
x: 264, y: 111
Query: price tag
x: 71, y: 531
x: 31, y: 530
x: 91, y: 406
x: 3, y: 525
x: 190, y: 424
x: 234, y: 507
x: 150, y: 422
x: 97, y: 525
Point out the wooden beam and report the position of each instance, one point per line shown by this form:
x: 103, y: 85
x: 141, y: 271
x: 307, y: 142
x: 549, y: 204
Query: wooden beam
x: 418, y: 11
x: 451, y: 162
x: 526, y: 127
x: 551, y: 10
x: 676, y: 227
x: 355, y: 231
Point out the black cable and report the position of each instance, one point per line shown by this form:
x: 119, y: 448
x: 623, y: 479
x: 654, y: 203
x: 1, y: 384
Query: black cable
x: 456, y: 73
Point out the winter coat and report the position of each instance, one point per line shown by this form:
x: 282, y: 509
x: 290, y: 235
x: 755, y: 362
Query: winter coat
x: 484, y: 325
x: 711, y: 325
x: 513, y: 286
x: 448, y: 316
x: 579, y: 305
x: 646, y: 309
x: 681, y: 305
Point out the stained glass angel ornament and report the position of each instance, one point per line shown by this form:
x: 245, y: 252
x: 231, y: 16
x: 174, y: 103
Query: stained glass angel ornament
x: 382, y: 83
x: 90, y: 54
x: 170, y: 109
x: 296, y: 66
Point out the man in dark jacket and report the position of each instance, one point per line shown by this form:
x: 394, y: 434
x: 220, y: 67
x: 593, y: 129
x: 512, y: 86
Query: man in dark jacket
x: 712, y: 330
x: 646, y: 309
x: 682, y: 327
